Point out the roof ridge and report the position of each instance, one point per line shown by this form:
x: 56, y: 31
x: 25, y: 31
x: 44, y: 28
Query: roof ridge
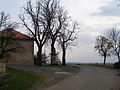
x: 18, y: 35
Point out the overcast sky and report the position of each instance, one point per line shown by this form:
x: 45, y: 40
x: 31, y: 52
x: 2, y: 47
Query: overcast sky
x: 94, y: 17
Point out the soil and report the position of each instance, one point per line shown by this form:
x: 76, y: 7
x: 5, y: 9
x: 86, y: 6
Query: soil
x: 51, y: 75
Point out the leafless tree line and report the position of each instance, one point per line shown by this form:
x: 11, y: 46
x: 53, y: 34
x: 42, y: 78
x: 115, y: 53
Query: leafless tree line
x: 109, y: 44
x: 47, y: 21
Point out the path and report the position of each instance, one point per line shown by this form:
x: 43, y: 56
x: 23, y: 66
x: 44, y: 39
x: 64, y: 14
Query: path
x: 51, y: 74
x: 90, y: 78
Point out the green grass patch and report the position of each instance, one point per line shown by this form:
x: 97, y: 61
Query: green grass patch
x: 19, y: 80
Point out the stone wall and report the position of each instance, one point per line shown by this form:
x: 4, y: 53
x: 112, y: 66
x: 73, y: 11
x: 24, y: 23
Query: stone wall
x: 26, y: 55
x: 2, y: 67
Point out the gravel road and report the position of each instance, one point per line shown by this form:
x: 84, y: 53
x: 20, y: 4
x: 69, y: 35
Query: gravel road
x: 90, y: 78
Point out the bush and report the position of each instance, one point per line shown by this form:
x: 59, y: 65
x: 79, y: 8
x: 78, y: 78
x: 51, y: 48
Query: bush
x: 117, y: 65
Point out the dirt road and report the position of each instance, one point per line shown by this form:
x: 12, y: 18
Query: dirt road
x: 50, y: 74
x: 90, y: 78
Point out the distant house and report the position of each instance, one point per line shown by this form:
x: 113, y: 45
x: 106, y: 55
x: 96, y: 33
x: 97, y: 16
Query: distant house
x: 27, y: 44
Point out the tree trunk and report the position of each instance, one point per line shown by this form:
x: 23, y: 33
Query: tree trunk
x: 104, y: 60
x: 53, y: 54
x: 118, y: 58
x: 64, y: 55
x: 39, y: 56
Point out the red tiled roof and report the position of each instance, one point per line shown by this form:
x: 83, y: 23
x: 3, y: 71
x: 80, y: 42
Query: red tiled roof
x: 17, y: 35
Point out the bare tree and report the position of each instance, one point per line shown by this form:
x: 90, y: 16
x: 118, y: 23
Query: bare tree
x: 66, y: 39
x: 103, y: 46
x: 7, y: 42
x: 36, y: 21
x: 45, y: 20
x: 114, y: 39
x: 56, y: 17
x: 3, y: 19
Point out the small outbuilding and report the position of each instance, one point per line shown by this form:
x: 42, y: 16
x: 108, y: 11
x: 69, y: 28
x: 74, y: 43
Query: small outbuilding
x: 27, y: 54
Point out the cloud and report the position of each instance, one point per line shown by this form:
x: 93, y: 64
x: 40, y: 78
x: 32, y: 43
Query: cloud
x: 95, y: 17
x: 90, y: 13
x: 84, y: 7
x: 110, y: 9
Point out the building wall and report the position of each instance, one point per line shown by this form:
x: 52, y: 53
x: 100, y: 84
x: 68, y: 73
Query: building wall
x: 26, y: 55
x: 2, y: 68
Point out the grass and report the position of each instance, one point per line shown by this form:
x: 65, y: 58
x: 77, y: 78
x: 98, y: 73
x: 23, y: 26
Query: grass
x: 19, y: 80
x: 101, y: 65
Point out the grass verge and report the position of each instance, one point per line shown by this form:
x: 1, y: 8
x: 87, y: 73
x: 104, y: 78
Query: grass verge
x: 101, y: 65
x: 19, y: 80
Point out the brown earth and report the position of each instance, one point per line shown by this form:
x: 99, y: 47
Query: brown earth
x: 51, y: 75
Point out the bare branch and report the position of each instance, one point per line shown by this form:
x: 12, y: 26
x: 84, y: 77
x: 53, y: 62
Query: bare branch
x: 7, y: 43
